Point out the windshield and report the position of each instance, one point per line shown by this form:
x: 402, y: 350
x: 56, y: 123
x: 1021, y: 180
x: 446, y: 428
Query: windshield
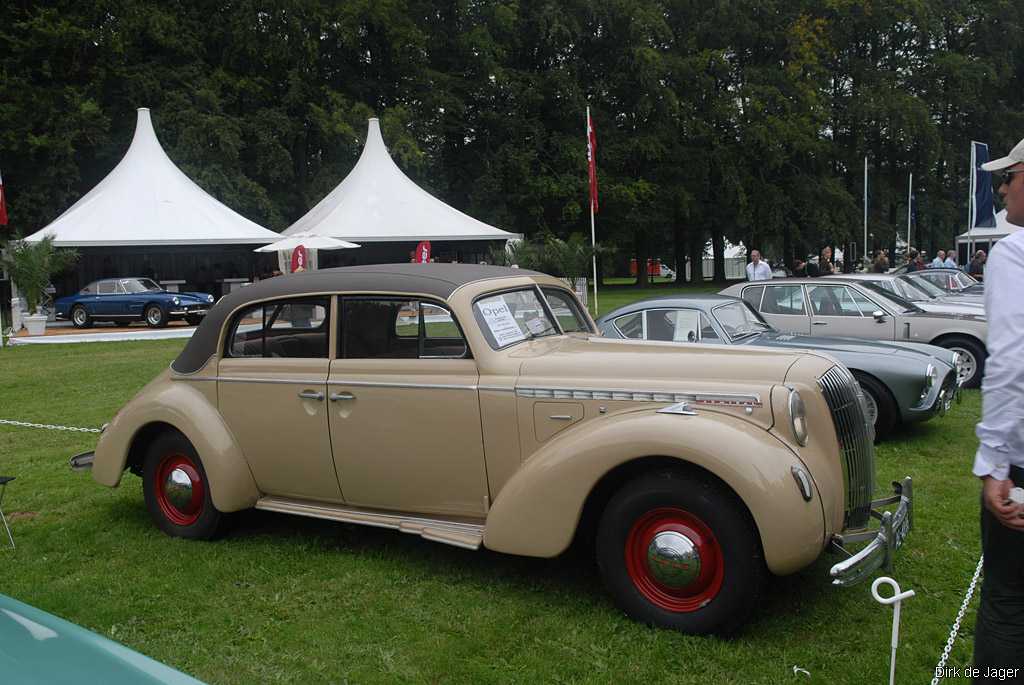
x: 511, y: 317
x: 925, y: 286
x: 739, y: 320
x: 965, y: 280
x: 139, y: 285
x: 894, y: 300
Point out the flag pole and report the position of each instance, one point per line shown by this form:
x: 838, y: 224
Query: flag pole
x: 910, y: 205
x: 593, y: 233
x: 865, y: 207
x: 970, y: 203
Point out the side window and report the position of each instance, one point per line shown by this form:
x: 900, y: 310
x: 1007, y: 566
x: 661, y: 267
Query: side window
x: 832, y: 300
x: 753, y: 296
x: 565, y: 309
x: 631, y: 325
x: 398, y: 329
x: 105, y: 288
x: 865, y: 304
x: 441, y: 335
x: 88, y: 290
x: 674, y: 325
x: 707, y: 331
x: 784, y: 299
x: 293, y: 329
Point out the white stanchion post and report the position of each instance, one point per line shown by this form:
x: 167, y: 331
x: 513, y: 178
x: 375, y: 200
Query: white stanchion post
x: 896, y: 599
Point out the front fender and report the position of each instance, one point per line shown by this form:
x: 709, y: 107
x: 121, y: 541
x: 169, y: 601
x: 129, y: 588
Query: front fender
x: 182, y: 406
x: 537, y: 511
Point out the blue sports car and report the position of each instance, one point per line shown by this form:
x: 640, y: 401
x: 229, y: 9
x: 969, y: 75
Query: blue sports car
x: 131, y: 299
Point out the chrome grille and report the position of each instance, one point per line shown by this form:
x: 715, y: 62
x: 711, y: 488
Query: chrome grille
x: 842, y: 393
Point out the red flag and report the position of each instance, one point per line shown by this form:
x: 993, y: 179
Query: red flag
x: 3, y: 204
x: 592, y: 161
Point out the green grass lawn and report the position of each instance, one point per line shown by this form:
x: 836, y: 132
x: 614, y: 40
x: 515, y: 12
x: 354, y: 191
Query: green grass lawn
x: 289, y: 600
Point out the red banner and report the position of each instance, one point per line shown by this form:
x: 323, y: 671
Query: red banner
x: 423, y: 252
x: 299, y: 259
x: 3, y: 204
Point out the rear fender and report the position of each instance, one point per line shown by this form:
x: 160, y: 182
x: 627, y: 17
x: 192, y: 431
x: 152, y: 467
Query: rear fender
x: 181, y: 406
x: 538, y: 510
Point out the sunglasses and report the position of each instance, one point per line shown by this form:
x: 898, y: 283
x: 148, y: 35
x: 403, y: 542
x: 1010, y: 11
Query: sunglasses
x: 1006, y: 177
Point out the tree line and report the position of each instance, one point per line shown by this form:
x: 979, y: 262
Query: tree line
x: 728, y: 120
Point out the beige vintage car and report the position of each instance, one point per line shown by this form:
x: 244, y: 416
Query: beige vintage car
x: 477, y: 406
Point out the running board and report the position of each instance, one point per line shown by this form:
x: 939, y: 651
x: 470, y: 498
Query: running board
x: 459, y: 534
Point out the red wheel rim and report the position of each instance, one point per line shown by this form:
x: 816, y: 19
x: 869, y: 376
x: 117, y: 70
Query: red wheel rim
x: 644, y: 568
x: 179, y: 490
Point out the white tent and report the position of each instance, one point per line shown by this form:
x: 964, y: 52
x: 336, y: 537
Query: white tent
x: 376, y: 202
x: 977, y: 234
x: 147, y: 200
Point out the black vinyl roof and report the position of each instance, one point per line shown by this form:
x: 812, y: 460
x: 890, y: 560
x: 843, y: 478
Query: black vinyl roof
x: 440, y: 280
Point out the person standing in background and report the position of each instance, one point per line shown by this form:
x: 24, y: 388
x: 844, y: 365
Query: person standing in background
x: 950, y: 262
x: 999, y: 461
x: 758, y: 270
x: 939, y: 261
x: 825, y: 266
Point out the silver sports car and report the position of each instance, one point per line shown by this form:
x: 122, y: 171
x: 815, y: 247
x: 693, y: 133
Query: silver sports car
x: 902, y: 382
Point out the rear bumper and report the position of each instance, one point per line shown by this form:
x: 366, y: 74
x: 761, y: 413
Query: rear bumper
x: 882, y: 544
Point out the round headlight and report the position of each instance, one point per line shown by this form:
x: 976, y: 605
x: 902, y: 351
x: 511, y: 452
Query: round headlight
x: 209, y: 298
x: 929, y: 380
x: 798, y: 417
x: 176, y: 301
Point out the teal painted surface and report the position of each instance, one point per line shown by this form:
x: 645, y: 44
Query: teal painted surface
x: 42, y: 649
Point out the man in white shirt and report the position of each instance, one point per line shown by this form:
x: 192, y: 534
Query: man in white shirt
x: 999, y: 462
x: 950, y: 262
x: 939, y: 261
x: 758, y: 270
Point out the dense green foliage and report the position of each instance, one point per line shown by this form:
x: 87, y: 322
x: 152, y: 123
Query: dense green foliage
x: 730, y: 119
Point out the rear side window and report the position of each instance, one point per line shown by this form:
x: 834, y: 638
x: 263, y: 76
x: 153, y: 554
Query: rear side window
x: 293, y: 329
x: 88, y: 290
x: 389, y: 328
x: 106, y: 288
x: 753, y: 296
x: 783, y: 299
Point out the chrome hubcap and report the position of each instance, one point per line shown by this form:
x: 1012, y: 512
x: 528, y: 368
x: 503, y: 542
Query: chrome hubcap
x: 79, y: 316
x: 673, y: 559
x: 154, y: 316
x: 872, y: 408
x: 178, y: 489
x: 968, y: 364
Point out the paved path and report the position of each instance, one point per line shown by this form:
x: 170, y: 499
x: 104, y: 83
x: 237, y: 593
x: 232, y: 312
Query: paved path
x: 108, y: 336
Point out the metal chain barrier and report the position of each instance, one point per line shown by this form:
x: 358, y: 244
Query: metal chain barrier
x: 48, y: 426
x: 956, y: 624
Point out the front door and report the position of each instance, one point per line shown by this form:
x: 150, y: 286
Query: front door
x: 405, y: 411
x: 272, y: 391
x: 840, y: 310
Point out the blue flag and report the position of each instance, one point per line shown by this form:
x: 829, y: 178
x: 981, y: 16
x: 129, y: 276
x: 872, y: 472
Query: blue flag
x: 984, y: 216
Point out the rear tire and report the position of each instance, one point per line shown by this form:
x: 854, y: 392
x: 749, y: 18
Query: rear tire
x: 886, y: 412
x: 680, y: 551
x: 177, y: 490
x: 974, y: 359
x: 80, y: 317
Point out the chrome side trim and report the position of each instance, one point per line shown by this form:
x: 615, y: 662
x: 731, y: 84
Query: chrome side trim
x: 720, y: 399
x: 384, y: 384
x: 274, y: 381
x: 495, y: 388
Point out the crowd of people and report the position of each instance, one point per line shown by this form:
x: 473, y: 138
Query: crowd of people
x: 759, y: 270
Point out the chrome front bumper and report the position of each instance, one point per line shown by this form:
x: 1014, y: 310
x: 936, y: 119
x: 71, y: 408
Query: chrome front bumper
x: 882, y: 544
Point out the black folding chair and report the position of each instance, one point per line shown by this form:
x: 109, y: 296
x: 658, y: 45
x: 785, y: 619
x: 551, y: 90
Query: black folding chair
x: 4, y: 480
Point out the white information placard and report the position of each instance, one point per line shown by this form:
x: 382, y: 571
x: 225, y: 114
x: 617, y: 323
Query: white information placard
x: 500, y: 321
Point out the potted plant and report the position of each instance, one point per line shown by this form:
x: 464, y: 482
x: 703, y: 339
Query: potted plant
x: 31, y: 265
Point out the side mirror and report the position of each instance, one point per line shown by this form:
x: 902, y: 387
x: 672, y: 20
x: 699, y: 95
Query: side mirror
x: 879, y: 315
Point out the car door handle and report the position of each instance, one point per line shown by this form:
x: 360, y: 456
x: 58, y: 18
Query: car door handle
x: 820, y: 323
x: 335, y: 396
x: 312, y: 395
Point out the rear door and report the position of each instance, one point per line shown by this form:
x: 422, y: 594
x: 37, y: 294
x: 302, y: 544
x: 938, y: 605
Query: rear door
x: 840, y: 310
x: 784, y: 307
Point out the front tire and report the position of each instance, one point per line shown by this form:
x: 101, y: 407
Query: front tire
x: 80, y: 317
x: 680, y: 551
x: 973, y: 355
x: 155, y: 316
x: 177, y: 490
x: 881, y: 403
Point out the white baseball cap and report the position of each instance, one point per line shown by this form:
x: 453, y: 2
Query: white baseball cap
x: 1016, y: 156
